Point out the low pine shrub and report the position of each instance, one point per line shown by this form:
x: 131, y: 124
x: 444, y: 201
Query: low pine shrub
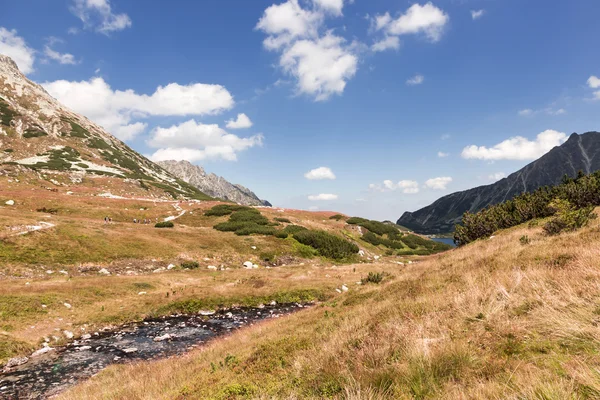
x: 224, y: 209
x: 190, y: 264
x: 165, y: 224
x: 281, y: 235
x: 337, y: 217
x: 374, y: 277
x: 282, y: 220
x: 326, y: 244
x: 291, y: 229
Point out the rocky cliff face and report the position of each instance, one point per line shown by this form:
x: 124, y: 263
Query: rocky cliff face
x: 211, y: 184
x: 580, y: 152
x: 40, y: 135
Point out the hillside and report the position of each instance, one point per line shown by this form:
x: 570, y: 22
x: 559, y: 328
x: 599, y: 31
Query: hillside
x: 211, y: 184
x: 46, y: 141
x: 494, y: 319
x: 579, y: 152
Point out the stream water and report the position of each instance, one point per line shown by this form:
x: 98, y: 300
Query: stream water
x: 52, y: 372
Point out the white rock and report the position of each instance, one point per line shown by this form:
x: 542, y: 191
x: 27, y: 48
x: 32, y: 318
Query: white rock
x: 10, y: 202
x: 67, y: 305
x: 273, y: 303
x: 361, y: 253
x: 63, y: 272
x: 206, y: 312
x: 212, y: 267
x: 166, y: 336
x: 376, y: 257
x: 27, y: 283
x: 338, y: 290
x: 253, y: 247
x: 49, y: 272
x: 104, y: 271
x: 68, y: 334
x: 86, y: 336
x: 82, y: 348
x: 41, y: 351
x: 16, y: 361
x: 254, y: 266
x: 44, y: 306
x: 248, y: 265
x: 161, y: 269
x: 141, y: 293
x: 344, y: 288
x: 130, y: 350
x: 170, y: 266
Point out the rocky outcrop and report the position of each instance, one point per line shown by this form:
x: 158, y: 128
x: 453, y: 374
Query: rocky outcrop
x: 211, y: 184
x: 579, y: 153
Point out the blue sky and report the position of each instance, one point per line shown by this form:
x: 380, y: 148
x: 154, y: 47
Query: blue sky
x: 401, y: 102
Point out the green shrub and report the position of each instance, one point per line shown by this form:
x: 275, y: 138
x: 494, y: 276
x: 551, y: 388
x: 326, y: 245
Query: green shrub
x: 47, y: 210
x: 291, y: 229
x: 356, y: 220
x: 283, y: 220
x: 337, y: 217
x: 281, y: 235
x: 374, y: 277
x: 252, y: 215
x: 255, y: 229
x: 566, y: 217
x: 525, y: 240
x: 164, y: 224
x: 190, y: 264
x: 326, y: 244
x: 224, y: 209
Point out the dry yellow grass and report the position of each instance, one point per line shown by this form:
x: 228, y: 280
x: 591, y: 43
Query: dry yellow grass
x: 495, y: 319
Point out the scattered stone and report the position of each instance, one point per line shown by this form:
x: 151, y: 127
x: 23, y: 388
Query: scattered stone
x: 166, y: 336
x: 10, y: 202
x: 161, y: 269
x: 67, y: 305
x: 63, y: 272
x: 253, y: 247
x: 248, y: 265
x: 83, y: 348
x: 273, y: 303
x: 141, y: 293
x: 86, y: 336
x: 254, y: 266
x: 130, y: 350
x: 49, y: 272
x: 68, y: 334
x: 44, y: 306
x: 361, y: 253
x: 212, y: 267
x: 205, y: 312
x: 16, y: 361
x: 376, y: 257
x: 104, y: 271
x: 41, y: 351
x: 344, y: 288
x: 338, y: 290
x: 170, y: 266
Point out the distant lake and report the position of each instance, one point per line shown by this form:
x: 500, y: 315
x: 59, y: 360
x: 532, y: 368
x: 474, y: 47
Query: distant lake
x: 445, y: 240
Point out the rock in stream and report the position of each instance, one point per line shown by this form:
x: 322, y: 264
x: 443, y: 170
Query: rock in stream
x: 54, y: 371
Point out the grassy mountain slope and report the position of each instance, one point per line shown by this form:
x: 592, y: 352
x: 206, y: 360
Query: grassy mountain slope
x: 493, y: 319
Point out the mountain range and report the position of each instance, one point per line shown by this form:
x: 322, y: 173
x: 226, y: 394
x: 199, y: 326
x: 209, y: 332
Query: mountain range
x: 211, y: 184
x: 578, y: 153
x: 42, y: 138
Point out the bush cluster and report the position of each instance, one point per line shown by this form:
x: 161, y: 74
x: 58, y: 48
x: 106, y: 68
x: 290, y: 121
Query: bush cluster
x: 337, y: 217
x: 374, y: 277
x: 225, y: 209
x: 326, y: 244
x: 291, y: 229
x: 246, y: 221
x: 165, y: 224
x: 190, y: 264
x: 580, y: 193
x: 283, y: 220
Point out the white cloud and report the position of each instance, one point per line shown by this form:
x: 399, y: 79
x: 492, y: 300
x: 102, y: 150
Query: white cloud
x: 594, y: 83
x: 320, y: 173
x: 560, y: 111
x: 439, y: 183
x: 425, y: 19
x: 415, y: 80
x: 441, y: 154
x: 525, y: 112
x: 388, y: 42
x: 405, y: 186
x: 241, y: 122
x: 321, y: 63
x: 98, y: 15
x: 517, y: 148
x: 115, y: 110
x: 16, y: 48
x: 62, y: 58
x: 445, y: 136
x: 194, y: 141
x: 332, y: 6
x: 476, y: 14
x: 128, y: 132
x: 496, y: 176
x: 322, y: 197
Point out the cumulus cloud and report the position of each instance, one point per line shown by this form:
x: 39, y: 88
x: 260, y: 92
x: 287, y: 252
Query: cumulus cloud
x: 594, y: 83
x: 320, y: 173
x: 476, y: 14
x: 322, y: 197
x: 194, y: 141
x: 61, y: 58
x: 415, y: 80
x: 525, y: 112
x: 496, y: 176
x: 427, y: 20
x: 241, y: 122
x: 439, y: 183
x: 321, y: 63
x: 441, y: 154
x: 388, y: 42
x: 16, y: 48
x: 115, y: 110
x: 517, y: 148
x: 405, y: 186
x: 98, y: 15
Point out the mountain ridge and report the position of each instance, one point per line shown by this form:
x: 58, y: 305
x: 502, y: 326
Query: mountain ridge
x: 212, y: 184
x: 579, y: 152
